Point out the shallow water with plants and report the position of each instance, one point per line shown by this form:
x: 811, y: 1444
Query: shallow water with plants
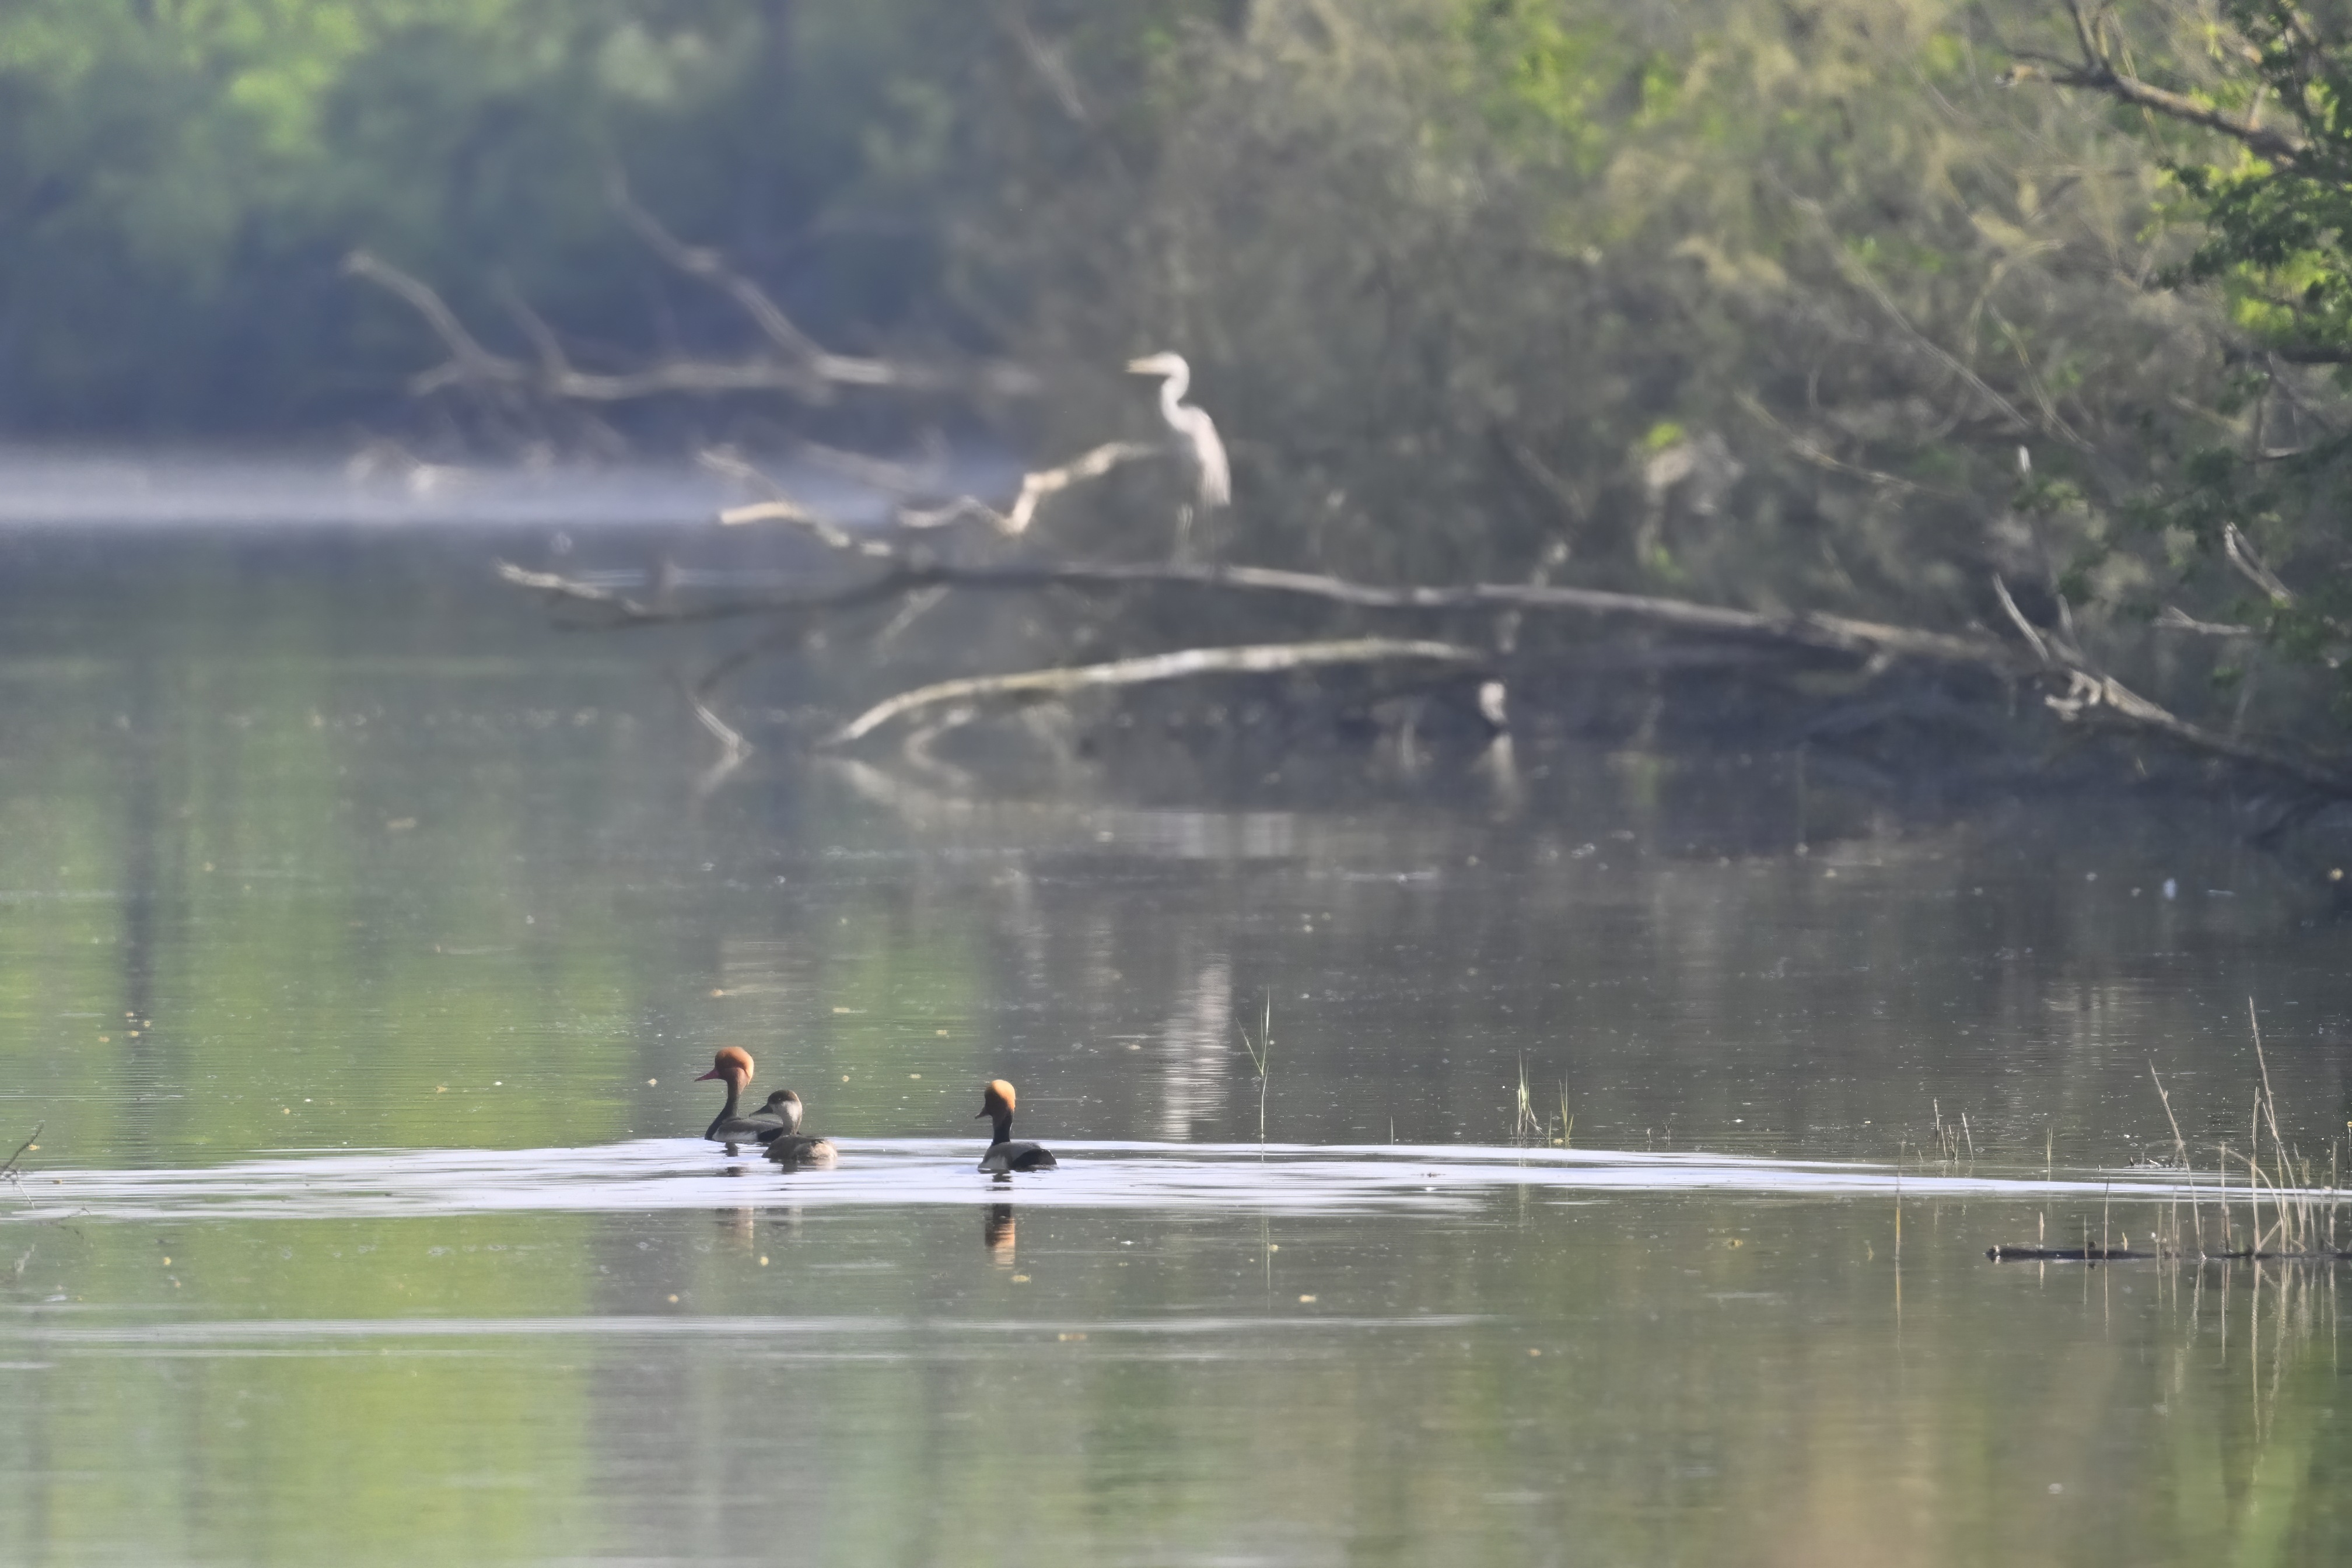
x: 1634, y: 1128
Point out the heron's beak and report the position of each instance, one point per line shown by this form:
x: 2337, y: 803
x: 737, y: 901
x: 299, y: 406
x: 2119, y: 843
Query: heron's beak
x: 714, y: 1072
x: 1142, y: 367
x: 983, y: 1111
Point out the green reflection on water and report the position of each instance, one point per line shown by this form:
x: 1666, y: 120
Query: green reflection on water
x: 311, y: 872
x: 1651, y: 1379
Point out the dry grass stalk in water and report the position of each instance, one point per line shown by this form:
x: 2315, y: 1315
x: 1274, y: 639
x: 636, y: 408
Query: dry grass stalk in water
x: 2300, y: 1224
x: 1524, y: 1124
x: 11, y: 1169
x: 1261, y: 1054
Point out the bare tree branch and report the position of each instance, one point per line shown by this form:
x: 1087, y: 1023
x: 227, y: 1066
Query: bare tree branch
x: 1836, y: 634
x: 821, y: 364
x: 554, y: 364
x: 1052, y: 68
x: 2095, y: 72
x: 1811, y: 451
x: 1259, y: 659
x: 792, y: 512
x: 808, y: 372
x: 469, y: 363
x: 701, y: 262
x: 1867, y: 281
x: 1035, y: 487
x: 469, y: 360
x: 2175, y: 619
x: 2090, y: 697
x: 2241, y: 553
x: 2025, y: 626
x: 922, y: 576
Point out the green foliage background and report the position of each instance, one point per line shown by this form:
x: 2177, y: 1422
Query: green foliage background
x: 1790, y: 307
x: 180, y: 178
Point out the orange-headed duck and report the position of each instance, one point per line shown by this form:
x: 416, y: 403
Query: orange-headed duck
x: 789, y: 1146
x: 1003, y: 1153
x: 732, y: 1065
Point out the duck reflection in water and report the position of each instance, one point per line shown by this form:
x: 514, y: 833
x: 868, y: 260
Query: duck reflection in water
x: 996, y: 1233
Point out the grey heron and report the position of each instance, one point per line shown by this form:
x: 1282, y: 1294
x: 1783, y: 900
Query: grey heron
x: 1196, y: 432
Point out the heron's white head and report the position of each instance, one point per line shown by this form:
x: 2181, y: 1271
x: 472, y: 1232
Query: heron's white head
x: 1159, y: 364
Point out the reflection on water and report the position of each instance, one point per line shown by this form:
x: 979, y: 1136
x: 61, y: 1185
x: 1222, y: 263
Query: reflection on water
x: 1660, y: 1377
x: 998, y: 1233
x: 360, y: 943
x: 1197, y: 1050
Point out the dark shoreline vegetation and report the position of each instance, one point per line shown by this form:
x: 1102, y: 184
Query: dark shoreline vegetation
x: 2006, y: 324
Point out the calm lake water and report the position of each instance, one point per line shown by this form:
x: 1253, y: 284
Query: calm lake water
x: 360, y: 939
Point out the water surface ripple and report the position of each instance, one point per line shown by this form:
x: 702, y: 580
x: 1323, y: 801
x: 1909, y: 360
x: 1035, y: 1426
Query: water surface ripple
x: 651, y: 1174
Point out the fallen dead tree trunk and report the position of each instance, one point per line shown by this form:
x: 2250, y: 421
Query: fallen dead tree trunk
x: 1265, y: 659
x: 903, y: 564
x: 2087, y: 697
x: 912, y: 572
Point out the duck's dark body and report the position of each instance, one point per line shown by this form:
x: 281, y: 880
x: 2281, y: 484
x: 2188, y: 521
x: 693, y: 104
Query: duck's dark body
x: 762, y: 1126
x: 788, y: 1145
x: 1005, y: 1154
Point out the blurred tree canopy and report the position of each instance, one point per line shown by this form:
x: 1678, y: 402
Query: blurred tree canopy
x: 2269, y: 180
x: 1787, y: 306
x: 180, y: 178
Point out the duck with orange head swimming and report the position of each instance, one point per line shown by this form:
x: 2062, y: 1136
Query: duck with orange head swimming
x: 1004, y: 1155
x: 732, y: 1067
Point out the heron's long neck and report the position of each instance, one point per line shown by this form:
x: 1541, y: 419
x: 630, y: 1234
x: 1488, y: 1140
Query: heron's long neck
x: 1003, y: 1122
x: 1171, y: 392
